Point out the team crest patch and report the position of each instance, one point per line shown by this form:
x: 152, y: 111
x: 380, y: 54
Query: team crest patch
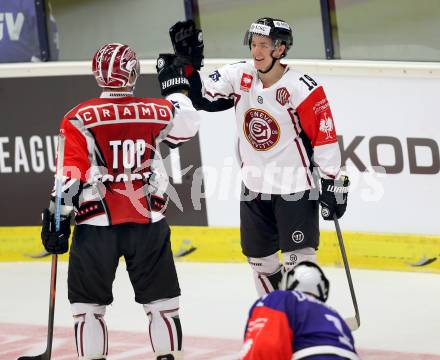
x: 215, y: 76
x: 246, y: 82
x: 175, y: 104
x: 261, y: 129
x: 282, y: 96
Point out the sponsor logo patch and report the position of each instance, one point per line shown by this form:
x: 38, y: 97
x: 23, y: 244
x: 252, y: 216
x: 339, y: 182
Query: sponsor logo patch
x: 246, y: 82
x: 325, y: 212
x: 281, y: 24
x: 261, y: 129
x: 160, y: 63
x: 297, y: 236
x: 255, y: 263
x: 260, y: 29
x: 174, y: 82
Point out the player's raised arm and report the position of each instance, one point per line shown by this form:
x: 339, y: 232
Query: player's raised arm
x: 188, y: 46
x: 174, y: 87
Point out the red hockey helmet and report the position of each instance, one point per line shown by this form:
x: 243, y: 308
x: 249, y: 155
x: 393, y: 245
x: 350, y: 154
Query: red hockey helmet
x: 113, y: 64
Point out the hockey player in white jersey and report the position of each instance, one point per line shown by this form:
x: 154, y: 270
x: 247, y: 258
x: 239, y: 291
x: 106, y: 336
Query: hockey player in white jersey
x: 286, y: 135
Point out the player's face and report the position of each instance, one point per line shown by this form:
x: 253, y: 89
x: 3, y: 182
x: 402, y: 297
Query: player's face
x: 261, y: 50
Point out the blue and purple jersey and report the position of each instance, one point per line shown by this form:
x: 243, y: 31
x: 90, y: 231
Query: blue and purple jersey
x: 292, y: 325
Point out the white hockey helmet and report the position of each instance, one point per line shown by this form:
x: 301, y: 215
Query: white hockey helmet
x: 308, y: 278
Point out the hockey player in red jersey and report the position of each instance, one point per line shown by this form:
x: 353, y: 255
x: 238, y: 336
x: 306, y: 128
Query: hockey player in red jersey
x: 115, y: 184
x: 285, y: 131
x: 295, y: 322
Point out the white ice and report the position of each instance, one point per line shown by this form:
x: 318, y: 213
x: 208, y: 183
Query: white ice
x: 400, y: 311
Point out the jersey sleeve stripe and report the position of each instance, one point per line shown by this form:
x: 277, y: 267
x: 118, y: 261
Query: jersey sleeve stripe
x: 178, y: 138
x: 294, y: 121
x: 216, y: 95
x: 303, y: 161
x: 324, y: 350
x: 126, y: 122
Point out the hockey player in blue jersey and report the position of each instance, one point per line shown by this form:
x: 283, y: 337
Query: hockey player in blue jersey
x: 295, y: 323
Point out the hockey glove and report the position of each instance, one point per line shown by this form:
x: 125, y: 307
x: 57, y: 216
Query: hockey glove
x: 188, y: 42
x: 55, y: 242
x: 333, y: 197
x: 170, y: 75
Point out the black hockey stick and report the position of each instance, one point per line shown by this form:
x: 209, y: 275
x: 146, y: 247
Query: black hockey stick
x: 53, y: 270
x: 53, y: 280
x: 355, y: 321
x: 186, y: 248
x: 423, y: 261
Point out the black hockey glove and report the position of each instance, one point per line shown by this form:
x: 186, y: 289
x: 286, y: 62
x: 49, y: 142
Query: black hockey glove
x: 55, y: 242
x: 170, y: 74
x: 333, y: 197
x: 188, y: 42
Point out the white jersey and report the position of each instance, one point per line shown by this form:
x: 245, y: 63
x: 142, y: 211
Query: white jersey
x: 282, y: 129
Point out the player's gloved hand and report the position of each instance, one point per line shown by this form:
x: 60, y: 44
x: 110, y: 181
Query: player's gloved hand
x: 170, y: 74
x: 55, y: 242
x: 333, y: 197
x: 188, y: 42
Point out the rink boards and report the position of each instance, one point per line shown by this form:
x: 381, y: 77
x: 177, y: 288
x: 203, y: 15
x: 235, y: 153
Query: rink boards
x: 219, y: 244
x: 386, y: 115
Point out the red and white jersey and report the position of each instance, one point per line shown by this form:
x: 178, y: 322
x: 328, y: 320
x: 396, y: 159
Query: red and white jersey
x: 113, y: 171
x: 283, y: 130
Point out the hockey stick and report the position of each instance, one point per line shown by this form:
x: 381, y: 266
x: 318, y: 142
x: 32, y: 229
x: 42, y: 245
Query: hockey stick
x: 185, y: 249
x: 180, y: 253
x: 352, y: 322
x: 183, y: 253
x: 423, y: 261
x: 41, y: 255
x: 53, y: 270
